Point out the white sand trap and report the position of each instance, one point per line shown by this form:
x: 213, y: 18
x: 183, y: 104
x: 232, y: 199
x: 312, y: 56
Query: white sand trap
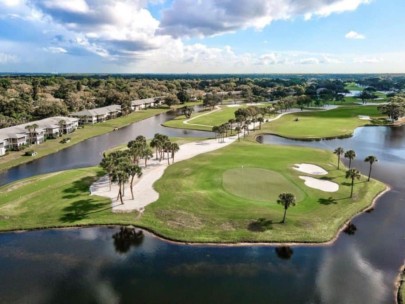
x: 364, y: 117
x: 310, y: 169
x: 233, y: 106
x: 319, y: 184
x: 144, y: 193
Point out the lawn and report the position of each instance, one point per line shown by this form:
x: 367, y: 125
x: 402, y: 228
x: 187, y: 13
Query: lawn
x: 56, y: 200
x: 352, y: 86
x: 13, y: 159
x: 194, y: 204
x: 321, y: 124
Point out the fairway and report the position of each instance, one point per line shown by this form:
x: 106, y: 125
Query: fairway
x: 321, y: 124
x: 258, y: 184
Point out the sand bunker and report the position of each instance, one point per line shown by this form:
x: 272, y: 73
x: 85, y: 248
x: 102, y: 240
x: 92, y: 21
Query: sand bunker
x: 144, y: 193
x: 319, y: 184
x: 364, y: 117
x: 233, y: 105
x: 310, y: 169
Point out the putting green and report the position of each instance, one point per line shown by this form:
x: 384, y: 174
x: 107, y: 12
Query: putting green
x: 258, y: 184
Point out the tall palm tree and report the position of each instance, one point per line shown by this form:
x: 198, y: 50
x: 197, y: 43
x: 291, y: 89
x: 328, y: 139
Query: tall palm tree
x: 371, y: 159
x: 133, y: 170
x: 352, y: 174
x: 350, y: 154
x: 260, y: 120
x: 146, y: 154
x: 286, y: 200
x: 174, y: 149
x: 237, y: 129
x: 339, y: 152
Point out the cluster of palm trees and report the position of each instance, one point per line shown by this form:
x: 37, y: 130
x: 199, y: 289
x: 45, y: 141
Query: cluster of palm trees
x: 120, y: 168
x: 123, y: 166
x: 163, y: 146
x: 353, y: 173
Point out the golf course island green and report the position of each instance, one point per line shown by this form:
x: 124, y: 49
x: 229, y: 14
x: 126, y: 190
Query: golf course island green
x: 258, y: 184
x: 225, y: 196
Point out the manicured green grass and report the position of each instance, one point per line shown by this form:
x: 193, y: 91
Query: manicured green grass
x: 352, y: 86
x: 194, y: 205
x: 51, y: 146
x: 56, y: 200
x: 321, y: 124
x: 206, y: 121
x: 258, y: 184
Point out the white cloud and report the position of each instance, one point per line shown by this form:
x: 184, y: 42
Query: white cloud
x: 7, y: 58
x: 354, y: 35
x: 55, y: 50
x: 190, y: 18
x: 368, y: 60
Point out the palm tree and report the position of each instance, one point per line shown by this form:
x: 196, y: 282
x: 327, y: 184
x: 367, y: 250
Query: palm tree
x: 61, y: 123
x: 339, y: 152
x: 34, y: 127
x: 371, y: 159
x: 146, y: 154
x: 174, y: 148
x: 107, y: 164
x: 237, y: 129
x: 353, y: 174
x: 350, y: 155
x: 133, y: 170
x: 260, y: 120
x: 286, y: 200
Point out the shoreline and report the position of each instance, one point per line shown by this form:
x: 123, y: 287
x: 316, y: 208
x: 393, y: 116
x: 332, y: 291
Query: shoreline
x: 213, y: 244
x: 400, y: 284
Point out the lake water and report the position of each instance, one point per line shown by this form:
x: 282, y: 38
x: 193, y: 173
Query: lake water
x: 86, y: 266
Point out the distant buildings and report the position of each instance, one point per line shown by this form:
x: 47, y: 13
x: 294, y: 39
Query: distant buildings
x: 97, y: 115
x: 35, y: 132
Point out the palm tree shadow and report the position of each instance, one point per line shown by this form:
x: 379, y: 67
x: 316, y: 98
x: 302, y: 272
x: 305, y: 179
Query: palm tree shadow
x: 260, y: 225
x: 81, y: 209
x: 327, y: 201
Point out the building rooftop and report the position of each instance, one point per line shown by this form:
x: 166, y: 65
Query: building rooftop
x: 98, y: 111
x: 20, y: 130
x: 139, y: 102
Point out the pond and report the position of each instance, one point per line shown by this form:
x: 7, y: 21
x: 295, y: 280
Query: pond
x: 87, y: 266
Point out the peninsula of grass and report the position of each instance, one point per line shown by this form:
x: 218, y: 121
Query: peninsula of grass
x: 13, y: 159
x: 204, y: 121
x: 321, y: 124
x: 225, y: 196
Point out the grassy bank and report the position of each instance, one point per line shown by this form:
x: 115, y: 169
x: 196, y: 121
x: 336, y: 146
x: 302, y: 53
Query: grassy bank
x: 13, y: 159
x: 202, y: 199
x: 56, y: 200
x: 321, y: 124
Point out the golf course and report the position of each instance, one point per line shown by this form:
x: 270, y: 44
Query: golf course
x: 227, y: 196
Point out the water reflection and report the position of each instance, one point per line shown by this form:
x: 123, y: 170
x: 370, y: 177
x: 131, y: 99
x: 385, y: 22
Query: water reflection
x: 126, y: 238
x: 284, y: 252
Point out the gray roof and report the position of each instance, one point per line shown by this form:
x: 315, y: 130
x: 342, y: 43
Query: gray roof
x: 98, y: 111
x: 20, y: 130
x: 139, y: 102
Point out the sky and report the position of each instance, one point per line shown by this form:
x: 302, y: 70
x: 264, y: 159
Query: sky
x: 202, y: 36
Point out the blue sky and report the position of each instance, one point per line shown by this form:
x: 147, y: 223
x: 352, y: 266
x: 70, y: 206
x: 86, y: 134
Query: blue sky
x: 202, y: 36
